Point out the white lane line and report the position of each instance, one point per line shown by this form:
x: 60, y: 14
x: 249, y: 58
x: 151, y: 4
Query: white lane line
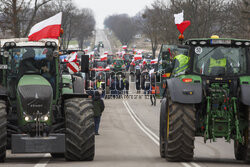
x: 43, y: 162
x: 149, y: 133
x: 186, y: 164
x: 142, y: 124
x: 195, y: 164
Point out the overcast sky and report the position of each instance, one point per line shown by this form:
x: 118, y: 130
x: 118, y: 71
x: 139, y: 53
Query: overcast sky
x: 104, y: 8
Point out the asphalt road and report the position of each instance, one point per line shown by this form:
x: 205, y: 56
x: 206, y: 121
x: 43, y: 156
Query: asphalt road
x: 101, y: 36
x: 129, y: 138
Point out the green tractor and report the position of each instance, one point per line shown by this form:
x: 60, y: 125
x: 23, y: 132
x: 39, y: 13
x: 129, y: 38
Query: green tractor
x: 41, y: 109
x: 209, y: 99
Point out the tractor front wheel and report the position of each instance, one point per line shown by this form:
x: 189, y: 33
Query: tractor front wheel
x: 247, y: 157
x: 80, y: 129
x: 180, y: 135
x: 3, y: 130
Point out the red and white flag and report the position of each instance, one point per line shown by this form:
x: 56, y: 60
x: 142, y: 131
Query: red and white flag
x: 154, y: 61
x: 124, y: 47
x: 138, y: 57
x: 180, y: 23
x: 104, y: 57
x: 106, y: 52
x: 49, y: 28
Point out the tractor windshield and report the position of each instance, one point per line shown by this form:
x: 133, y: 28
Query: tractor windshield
x: 220, y: 61
x: 30, y: 60
x: 101, y: 64
x: 118, y: 62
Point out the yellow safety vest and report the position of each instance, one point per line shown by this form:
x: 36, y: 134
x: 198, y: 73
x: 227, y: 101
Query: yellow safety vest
x: 217, y: 63
x: 183, y: 63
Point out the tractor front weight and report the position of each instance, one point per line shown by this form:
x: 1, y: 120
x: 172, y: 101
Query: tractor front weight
x: 221, y: 115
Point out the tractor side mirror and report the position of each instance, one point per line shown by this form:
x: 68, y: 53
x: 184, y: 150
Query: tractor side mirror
x: 85, y: 63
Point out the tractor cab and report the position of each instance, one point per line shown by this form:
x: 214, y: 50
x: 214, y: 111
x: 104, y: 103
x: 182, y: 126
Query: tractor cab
x: 224, y: 58
x: 29, y: 62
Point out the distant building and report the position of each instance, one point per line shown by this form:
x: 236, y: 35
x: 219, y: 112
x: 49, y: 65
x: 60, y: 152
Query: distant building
x: 138, y: 36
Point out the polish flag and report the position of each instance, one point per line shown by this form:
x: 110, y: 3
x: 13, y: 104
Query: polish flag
x: 138, y: 57
x: 154, y: 61
x: 104, y: 57
x: 106, y: 53
x: 49, y: 28
x: 180, y: 23
x: 124, y: 47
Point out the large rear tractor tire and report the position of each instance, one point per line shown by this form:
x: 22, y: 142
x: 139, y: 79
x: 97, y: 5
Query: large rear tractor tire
x: 180, y: 132
x: 163, y: 124
x: 80, y: 129
x: 242, y: 150
x: 3, y: 130
x: 247, y: 157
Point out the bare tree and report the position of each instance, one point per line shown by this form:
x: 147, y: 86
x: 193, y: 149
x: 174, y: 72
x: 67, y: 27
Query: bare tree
x: 19, y: 15
x: 86, y: 25
x: 123, y: 26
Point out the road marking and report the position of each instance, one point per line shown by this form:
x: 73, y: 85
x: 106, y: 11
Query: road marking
x: 186, y: 164
x: 195, y: 164
x: 143, y: 125
x: 148, y: 132
x: 140, y: 126
x: 43, y: 162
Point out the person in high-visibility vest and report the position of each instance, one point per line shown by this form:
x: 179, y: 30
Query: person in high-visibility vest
x: 180, y: 63
x: 218, y: 64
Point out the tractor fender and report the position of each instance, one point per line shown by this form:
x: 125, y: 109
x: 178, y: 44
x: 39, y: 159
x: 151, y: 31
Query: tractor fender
x: 78, y: 84
x: 189, y: 93
x: 244, y: 94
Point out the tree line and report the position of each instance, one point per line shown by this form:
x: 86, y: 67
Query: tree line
x: 18, y: 16
x: 226, y: 18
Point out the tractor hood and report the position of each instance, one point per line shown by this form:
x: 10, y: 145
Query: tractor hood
x: 35, y: 94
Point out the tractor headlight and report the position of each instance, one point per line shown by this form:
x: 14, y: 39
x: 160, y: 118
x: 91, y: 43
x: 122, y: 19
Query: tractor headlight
x: 247, y: 43
x: 53, y: 44
x: 9, y: 44
x: 194, y: 42
x: 48, y: 44
x: 27, y: 118
x: 12, y: 44
x: 45, y: 118
x: 238, y: 43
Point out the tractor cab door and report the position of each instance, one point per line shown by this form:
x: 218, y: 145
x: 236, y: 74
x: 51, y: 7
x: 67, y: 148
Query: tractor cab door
x: 165, y: 66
